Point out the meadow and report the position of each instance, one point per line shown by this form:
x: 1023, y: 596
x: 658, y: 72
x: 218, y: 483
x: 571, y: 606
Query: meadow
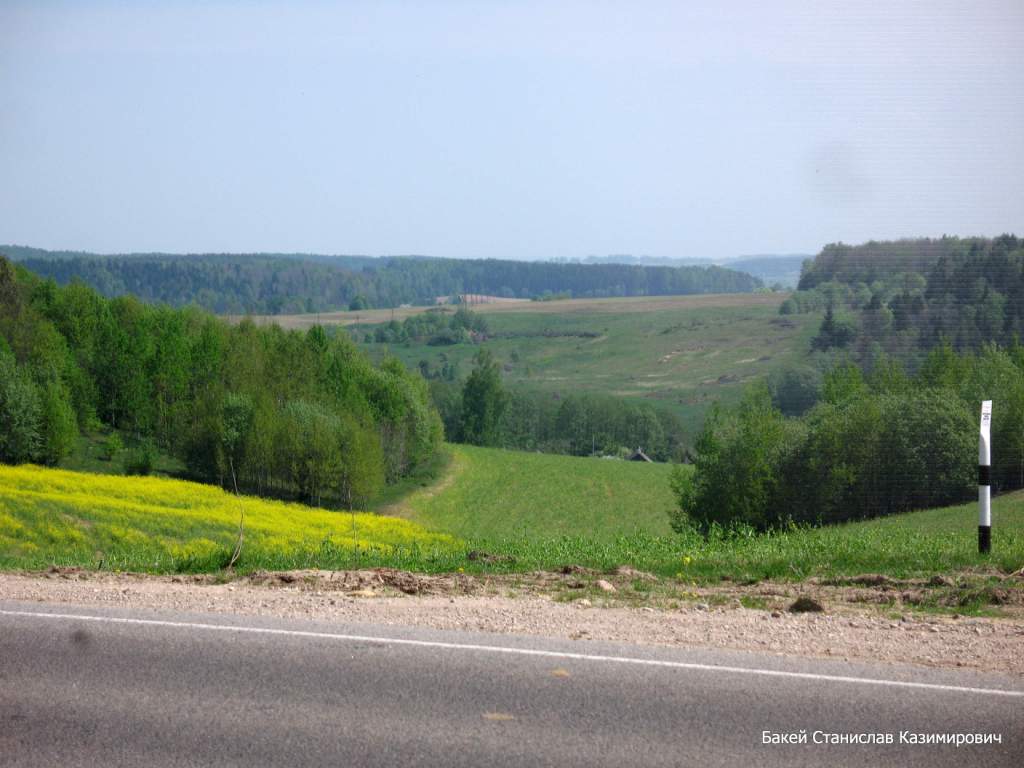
x: 677, y: 352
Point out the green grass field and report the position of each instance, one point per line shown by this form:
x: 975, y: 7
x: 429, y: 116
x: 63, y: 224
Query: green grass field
x: 544, y: 511
x: 677, y: 352
x: 526, y: 511
x: 490, y: 493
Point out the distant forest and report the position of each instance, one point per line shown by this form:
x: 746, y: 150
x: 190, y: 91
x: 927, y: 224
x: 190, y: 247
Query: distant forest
x: 782, y: 269
x: 294, y: 283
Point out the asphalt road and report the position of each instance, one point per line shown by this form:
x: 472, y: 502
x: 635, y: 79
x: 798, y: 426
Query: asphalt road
x: 99, y: 688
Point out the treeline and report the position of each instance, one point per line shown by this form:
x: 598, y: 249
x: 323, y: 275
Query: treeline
x: 908, y: 297
x: 876, y: 443
x: 273, y: 284
x: 281, y: 413
x: 482, y: 411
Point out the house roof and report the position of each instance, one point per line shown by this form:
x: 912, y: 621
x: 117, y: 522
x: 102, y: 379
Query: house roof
x: 639, y: 455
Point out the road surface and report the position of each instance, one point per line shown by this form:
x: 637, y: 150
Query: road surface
x: 87, y: 687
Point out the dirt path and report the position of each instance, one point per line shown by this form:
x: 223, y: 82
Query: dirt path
x: 403, y: 508
x: 548, y: 605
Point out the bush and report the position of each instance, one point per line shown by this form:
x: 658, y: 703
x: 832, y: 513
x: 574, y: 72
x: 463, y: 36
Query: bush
x: 112, y: 447
x: 795, y: 390
x: 864, y: 456
x: 141, y: 461
x: 736, y: 467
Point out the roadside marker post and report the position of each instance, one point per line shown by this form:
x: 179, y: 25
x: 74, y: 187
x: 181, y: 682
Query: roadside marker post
x: 985, y: 480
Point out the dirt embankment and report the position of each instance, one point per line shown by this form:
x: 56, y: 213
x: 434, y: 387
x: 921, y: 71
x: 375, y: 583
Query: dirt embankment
x: 857, y: 621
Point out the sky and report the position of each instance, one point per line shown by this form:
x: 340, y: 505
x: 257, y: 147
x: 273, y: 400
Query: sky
x: 528, y: 130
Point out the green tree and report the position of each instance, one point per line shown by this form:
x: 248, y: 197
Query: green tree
x: 361, y: 472
x: 842, y: 382
x: 236, y: 424
x: 483, y: 401
x: 58, y: 423
x: 21, y: 438
x: 794, y: 390
x: 310, y: 449
x: 735, y: 475
x: 834, y: 331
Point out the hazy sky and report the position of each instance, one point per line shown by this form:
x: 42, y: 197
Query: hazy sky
x: 508, y: 129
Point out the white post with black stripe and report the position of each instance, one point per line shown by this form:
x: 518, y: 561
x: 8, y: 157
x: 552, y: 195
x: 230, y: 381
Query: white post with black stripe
x: 985, y: 480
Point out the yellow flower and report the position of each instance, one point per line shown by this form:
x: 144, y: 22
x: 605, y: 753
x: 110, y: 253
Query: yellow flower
x: 462, y: 570
x: 687, y: 560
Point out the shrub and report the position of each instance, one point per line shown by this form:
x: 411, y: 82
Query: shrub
x: 863, y: 456
x: 112, y: 447
x: 141, y: 461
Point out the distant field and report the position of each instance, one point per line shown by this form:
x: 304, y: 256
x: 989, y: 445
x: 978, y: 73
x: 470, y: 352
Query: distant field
x: 678, y: 352
x: 491, y: 493
x: 155, y: 524
x: 681, y: 353
x: 564, y: 306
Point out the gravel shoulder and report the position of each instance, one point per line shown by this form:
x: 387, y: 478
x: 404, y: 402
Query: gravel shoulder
x: 568, y: 605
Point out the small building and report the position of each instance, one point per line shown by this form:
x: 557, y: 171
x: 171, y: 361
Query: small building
x: 639, y: 455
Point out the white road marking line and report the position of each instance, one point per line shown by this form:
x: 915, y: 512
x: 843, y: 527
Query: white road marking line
x: 516, y: 651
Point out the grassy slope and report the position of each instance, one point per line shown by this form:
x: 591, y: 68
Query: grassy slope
x: 543, y: 511
x: 681, y: 354
x: 492, y: 493
x: 923, y: 543
x: 549, y: 510
x: 54, y: 516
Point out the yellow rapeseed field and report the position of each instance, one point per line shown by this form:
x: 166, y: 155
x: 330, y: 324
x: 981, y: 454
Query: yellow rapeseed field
x: 74, y: 517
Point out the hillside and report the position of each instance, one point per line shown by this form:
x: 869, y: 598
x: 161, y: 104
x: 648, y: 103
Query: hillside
x: 679, y: 353
x: 52, y: 516
x: 494, y: 494
x: 543, y: 511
